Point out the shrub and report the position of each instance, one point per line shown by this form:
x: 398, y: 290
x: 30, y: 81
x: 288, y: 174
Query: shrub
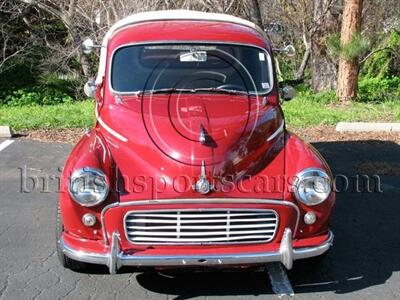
x: 66, y: 85
x: 13, y: 77
x: 18, y: 88
x: 22, y: 82
x: 35, y: 95
x: 307, y: 94
x: 379, y: 89
x: 385, y: 62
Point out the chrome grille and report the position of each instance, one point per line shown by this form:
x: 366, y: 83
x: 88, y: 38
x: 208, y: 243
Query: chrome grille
x: 205, y: 226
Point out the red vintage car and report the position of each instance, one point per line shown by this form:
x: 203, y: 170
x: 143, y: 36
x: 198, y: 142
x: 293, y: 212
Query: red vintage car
x: 189, y: 163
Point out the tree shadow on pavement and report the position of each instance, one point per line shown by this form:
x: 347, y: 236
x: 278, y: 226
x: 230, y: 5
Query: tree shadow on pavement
x: 367, y: 240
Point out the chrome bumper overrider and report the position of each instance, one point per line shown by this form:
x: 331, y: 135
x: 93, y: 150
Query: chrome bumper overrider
x: 116, y: 258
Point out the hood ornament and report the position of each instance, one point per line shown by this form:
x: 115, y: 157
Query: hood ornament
x: 202, y: 185
x: 205, y: 139
x: 203, y: 135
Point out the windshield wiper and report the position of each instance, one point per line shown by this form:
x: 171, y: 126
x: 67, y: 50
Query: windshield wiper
x: 217, y: 90
x: 170, y: 90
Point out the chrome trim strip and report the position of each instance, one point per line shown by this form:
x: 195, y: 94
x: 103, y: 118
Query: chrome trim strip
x: 121, y: 259
x: 109, y: 129
x: 83, y: 256
x: 278, y: 131
x: 197, y: 201
x: 204, y: 209
x: 103, y: 227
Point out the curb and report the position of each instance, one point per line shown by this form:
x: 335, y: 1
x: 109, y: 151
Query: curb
x: 367, y: 127
x: 5, y: 132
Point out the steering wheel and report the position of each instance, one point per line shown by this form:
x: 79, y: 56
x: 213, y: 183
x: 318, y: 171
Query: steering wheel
x: 230, y: 86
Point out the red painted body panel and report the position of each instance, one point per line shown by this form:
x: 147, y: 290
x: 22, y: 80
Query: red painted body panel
x: 149, y: 148
x: 196, y: 31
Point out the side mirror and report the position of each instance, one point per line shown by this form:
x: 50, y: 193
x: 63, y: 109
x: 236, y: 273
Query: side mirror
x: 87, y: 46
x: 90, y: 88
x: 289, y: 50
x: 288, y: 93
x: 275, y: 28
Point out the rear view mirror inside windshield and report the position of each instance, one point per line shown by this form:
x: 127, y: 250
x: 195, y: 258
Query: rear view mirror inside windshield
x: 193, y: 56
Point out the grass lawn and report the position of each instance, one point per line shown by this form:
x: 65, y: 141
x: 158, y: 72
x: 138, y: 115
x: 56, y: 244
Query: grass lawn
x: 69, y: 115
x: 300, y: 112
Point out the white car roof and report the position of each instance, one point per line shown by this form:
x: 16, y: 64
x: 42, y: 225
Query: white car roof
x: 160, y: 16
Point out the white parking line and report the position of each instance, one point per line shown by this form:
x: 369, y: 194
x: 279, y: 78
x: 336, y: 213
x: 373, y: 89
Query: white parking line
x: 5, y: 144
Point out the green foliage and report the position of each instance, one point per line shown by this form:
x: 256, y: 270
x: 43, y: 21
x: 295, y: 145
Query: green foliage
x: 305, y: 93
x: 15, y: 75
x: 386, y: 62
x: 352, y: 50
x: 333, y: 45
x: 358, y: 46
x: 379, y: 90
x: 36, y: 95
x: 53, y: 81
x: 20, y: 85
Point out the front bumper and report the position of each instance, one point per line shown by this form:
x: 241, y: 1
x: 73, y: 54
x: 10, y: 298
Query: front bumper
x: 115, y: 258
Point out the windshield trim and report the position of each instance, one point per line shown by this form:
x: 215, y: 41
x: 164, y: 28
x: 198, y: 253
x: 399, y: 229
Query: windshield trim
x: 175, y: 42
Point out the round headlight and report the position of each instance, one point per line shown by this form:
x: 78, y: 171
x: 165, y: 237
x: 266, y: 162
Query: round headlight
x: 312, y: 186
x: 88, y: 186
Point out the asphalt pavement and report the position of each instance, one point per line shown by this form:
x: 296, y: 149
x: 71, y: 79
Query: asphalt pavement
x: 364, y: 262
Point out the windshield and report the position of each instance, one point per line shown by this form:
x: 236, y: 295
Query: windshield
x: 190, y: 67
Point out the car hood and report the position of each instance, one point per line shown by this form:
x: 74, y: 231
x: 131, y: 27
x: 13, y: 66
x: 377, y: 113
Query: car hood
x: 233, y: 135
x: 195, y: 128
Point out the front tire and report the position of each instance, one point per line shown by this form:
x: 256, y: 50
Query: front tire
x: 65, y: 261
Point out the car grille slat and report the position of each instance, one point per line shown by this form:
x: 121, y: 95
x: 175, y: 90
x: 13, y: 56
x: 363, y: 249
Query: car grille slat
x: 209, y: 233
x: 183, y: 227
x: 202, y: 226
x: 255, y: 239
x: 208, y: 215
x: 173, y: 221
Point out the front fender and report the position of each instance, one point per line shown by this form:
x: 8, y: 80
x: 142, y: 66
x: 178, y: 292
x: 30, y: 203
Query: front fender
x: 91, y: 151
x: 300, y: 155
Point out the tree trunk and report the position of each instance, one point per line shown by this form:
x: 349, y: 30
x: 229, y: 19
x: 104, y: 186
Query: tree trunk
x: 324, y: 69
x: 306, y: 57
x: 348, y: 68
x: 85, y: 64
x: 257, y: 13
